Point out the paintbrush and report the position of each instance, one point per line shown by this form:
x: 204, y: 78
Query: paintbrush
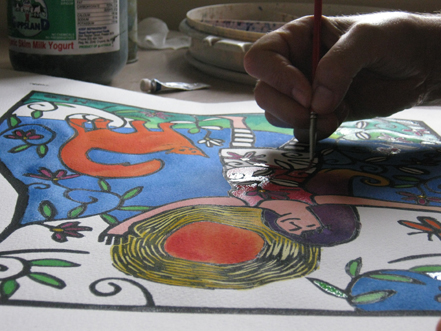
x: 315, y: 61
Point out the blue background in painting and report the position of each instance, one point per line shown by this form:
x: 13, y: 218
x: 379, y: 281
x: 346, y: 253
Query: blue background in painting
x: 182, y: 176
x: 191, y: 176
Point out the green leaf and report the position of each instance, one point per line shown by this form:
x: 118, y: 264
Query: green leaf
x: 109, y: 219
x: 48, y: 280
x: 408, y: 179
x: 194, y: 130
x: 42, y: 150
x: 134, y: 208
x: 104, y: 185
x: 52, y: 263
x: 77, y: 211
x: 13, y: 121
x: 36, y: 114
x: 404, y: 186
x: 19, y: 149
x: 47, y: 209
x: 372, y: 297
x: 353, y: 267
x: 395, y: 278
x: 8, y: 288
x: 132, y: 193
x: 426, y: 268
x: 328, y: 288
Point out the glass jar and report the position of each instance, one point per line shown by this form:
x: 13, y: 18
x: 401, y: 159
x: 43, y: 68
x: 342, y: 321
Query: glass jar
x: 78, y: 39
x: 132, y: 15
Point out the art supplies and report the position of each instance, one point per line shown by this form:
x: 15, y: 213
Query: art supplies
x: 156, y: 86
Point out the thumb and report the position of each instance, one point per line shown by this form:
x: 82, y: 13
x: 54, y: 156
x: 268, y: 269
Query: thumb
x: 336, y: 70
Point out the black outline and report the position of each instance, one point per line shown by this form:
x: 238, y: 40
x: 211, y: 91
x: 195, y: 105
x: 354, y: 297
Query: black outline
x: 230, y: 311
x: 23, y: 198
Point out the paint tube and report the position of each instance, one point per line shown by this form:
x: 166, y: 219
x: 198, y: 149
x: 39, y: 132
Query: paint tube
x: 155, y: 86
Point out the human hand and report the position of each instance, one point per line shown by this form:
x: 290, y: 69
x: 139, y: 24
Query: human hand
x: 372, y: 65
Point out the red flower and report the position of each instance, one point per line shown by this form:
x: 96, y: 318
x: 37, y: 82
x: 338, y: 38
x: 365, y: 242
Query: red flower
x: 427, y: 225
x: 24, y: 135
x: 46, y: 174
x: 420, y: 199
x: 69, y: 229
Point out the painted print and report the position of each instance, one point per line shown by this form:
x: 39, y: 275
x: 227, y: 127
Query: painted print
x: 124, y: 207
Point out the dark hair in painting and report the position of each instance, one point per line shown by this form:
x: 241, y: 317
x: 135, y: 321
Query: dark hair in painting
x: 340, y: 224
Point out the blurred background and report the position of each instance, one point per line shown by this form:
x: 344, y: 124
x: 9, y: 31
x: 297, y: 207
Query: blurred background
x: 173, y: 11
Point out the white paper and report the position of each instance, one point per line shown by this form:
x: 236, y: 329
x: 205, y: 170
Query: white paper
x: 283, y: 304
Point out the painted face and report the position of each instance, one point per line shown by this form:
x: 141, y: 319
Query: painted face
x: 297, y: 223
x: 295, y: 217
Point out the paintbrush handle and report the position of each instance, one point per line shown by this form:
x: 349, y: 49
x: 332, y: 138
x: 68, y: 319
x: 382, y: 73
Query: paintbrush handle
x: 315, y: 61
x: 316, y: 36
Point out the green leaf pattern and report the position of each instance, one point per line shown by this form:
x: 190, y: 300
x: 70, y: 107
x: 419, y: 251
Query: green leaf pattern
x: 104, y: 186
x: 77, y: 211
x: 19, y: 149
x: 9, y: 286
x: 372, y: 297
x: 52, y: 263
x: 47, y: 210
x: 353, y: 268
x: 329, y: 288
x: 46, y: 279
x: 36, y: 114
x: 132, y: 193
x: 42, y: 150
x: 13, y: 121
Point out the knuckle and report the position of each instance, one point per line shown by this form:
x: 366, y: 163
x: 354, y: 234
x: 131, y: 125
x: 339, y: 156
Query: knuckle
x: 367, y: 30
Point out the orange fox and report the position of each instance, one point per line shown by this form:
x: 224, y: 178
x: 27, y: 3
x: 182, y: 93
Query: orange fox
x: 143, y: 141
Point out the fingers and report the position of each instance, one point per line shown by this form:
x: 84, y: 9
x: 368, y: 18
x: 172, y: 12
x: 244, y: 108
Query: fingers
x: 372, y: 66
x: 271, y: 59
x: 338, y: 67
x: 281, y: 62
x: 378, y: 42
x: 281, y: 110
x: 285, y: 112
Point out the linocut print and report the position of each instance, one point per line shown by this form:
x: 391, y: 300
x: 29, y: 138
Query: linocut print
x: 119, y: 207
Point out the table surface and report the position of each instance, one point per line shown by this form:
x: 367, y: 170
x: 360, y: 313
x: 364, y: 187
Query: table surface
x: 167, y: 66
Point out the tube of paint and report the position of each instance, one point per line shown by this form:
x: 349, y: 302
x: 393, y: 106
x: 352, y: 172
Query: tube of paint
x: 155, y: 86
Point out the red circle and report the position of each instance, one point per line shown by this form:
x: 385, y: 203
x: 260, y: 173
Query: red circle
x: 214, y: 243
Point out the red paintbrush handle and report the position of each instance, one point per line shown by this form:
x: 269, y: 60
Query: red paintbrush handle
x: 316, y: 35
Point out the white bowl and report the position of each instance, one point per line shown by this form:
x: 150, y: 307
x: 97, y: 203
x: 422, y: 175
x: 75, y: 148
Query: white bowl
x: 222, y: 34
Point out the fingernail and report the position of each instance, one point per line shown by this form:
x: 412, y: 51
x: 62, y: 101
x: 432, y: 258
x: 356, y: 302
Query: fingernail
x: 323, y: 100
x: 301, y: 97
